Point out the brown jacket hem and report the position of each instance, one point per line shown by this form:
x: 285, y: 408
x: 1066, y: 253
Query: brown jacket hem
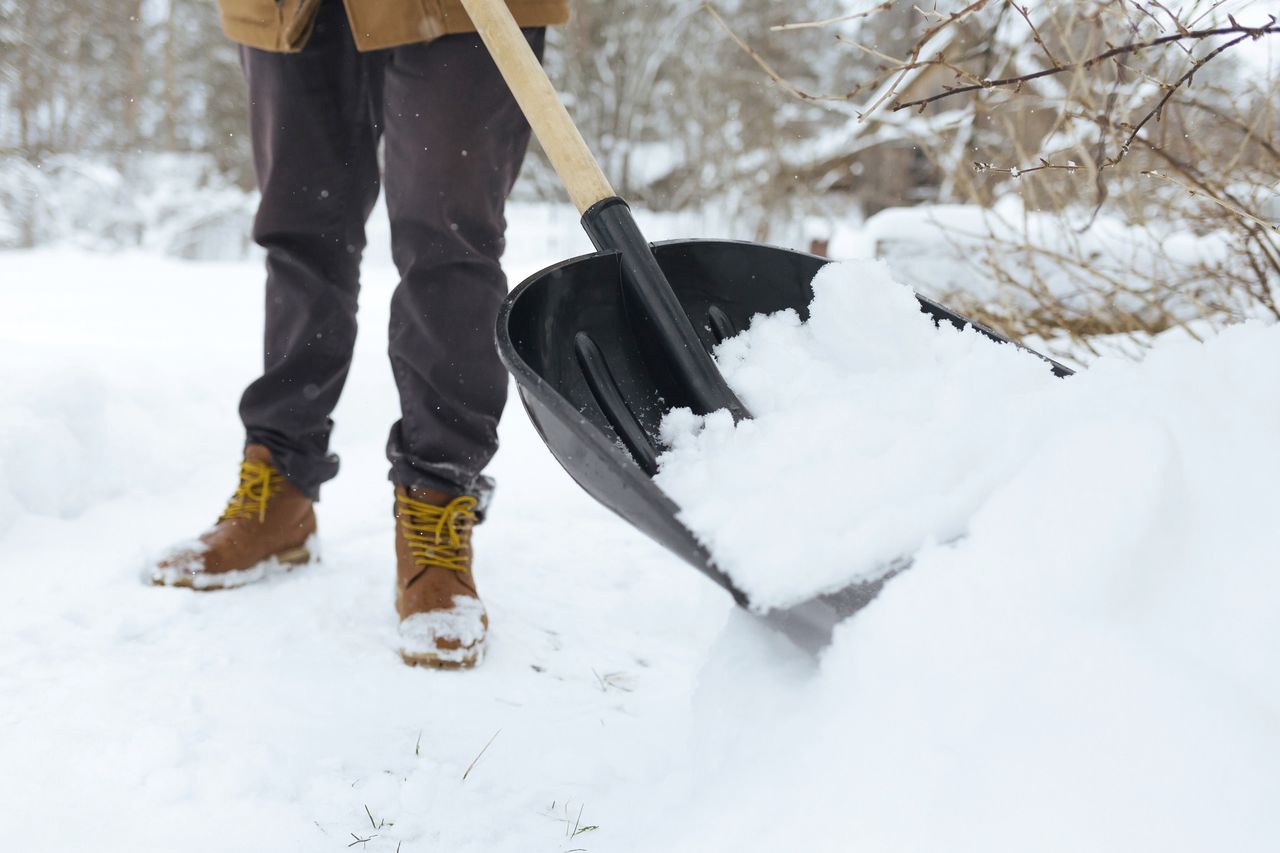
x: 285, y: 28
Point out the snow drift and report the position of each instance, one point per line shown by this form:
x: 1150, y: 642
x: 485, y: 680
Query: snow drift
x: 1083, y: 655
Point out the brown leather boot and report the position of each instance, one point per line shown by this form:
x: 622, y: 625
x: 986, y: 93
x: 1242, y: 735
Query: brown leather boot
x: 266, y: 529
x: 442, y: 621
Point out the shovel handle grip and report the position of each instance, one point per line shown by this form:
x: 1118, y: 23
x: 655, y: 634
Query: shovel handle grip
x: 538, y: 100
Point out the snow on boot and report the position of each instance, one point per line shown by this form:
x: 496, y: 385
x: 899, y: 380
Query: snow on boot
x: 267, y: 528
x: 442, y: 621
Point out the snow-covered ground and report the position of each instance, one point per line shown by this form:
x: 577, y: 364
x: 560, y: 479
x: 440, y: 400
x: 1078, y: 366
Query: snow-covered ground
x: 1092, y: 667
x: 142, y: 719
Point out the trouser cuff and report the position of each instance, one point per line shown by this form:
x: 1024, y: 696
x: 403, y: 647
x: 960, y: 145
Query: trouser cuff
x: 306, y: 471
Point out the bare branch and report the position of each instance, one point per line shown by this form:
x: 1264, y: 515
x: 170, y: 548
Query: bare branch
x: 759, y: 60
x: 883, y: 7
x: 1035, y: 33
x: 915, y: 53
x: 1238, y: 211
x: 1018, y: 172
x: 1169, y: 91
x: 1244, y: 32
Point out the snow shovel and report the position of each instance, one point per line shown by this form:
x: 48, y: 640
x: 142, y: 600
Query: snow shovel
x: 602, y: 345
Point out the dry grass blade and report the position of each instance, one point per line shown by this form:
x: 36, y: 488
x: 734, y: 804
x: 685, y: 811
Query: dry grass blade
x: 479, y: 755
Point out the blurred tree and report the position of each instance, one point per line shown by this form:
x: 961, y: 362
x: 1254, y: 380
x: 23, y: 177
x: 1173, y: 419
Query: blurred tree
x: 678, y: 114
x: 197, y: 88
x: 86, y: 77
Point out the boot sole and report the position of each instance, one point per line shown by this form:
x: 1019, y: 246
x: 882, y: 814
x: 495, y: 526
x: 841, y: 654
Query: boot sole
x: 277, y: 564
x: 430, y: 661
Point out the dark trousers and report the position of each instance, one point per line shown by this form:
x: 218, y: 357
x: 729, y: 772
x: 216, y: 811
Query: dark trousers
x: 455, y: 140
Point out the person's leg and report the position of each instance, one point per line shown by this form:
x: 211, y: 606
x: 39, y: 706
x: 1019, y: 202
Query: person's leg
x: 314, y: 120
x: 315, y: 129
x: 455, y: 140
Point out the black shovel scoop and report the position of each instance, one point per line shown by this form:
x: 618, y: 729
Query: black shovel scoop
x: 601, y: 346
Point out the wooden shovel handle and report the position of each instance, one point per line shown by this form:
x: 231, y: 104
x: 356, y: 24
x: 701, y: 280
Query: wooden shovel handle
x: 538, y: 100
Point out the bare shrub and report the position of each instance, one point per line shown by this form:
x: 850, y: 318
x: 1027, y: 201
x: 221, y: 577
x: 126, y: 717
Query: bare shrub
x: 1140, y: 143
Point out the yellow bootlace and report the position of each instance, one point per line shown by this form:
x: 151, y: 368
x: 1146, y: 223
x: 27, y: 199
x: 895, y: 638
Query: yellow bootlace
x: 258, y: 482
x: 438, y: 536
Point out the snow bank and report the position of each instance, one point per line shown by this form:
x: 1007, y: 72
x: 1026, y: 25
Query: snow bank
x: 174, y: 204
x: 97, y: 352
x: 946, y: 249
x: 182, y: 206
x: 1091, y: 666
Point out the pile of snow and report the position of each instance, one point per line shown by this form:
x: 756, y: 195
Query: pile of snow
x: 183, y: 206
x: 947, y: 249
x: 174, y: 204
x: 1084, y: 654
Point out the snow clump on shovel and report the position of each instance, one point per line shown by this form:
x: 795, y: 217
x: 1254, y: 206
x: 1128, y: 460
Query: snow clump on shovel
x: 874, y: 433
